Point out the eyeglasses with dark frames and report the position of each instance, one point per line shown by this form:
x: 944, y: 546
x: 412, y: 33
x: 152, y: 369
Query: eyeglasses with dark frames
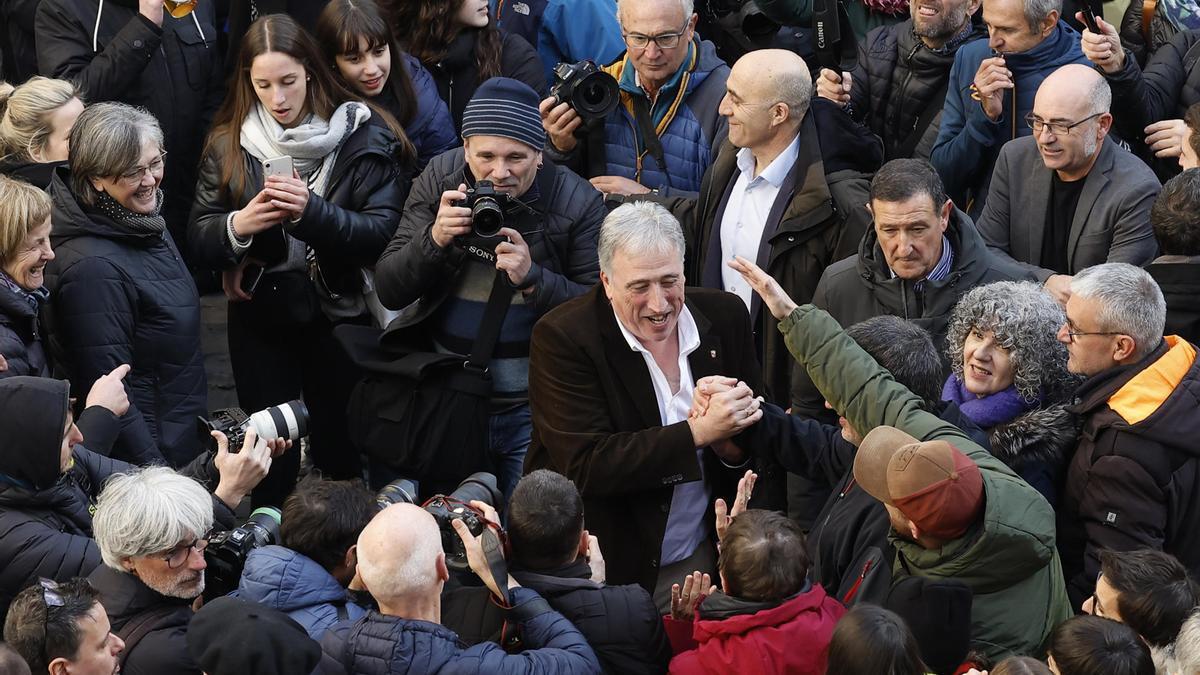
x: 177, y: 556
x: 1057, y: 128
x: 664, y: 40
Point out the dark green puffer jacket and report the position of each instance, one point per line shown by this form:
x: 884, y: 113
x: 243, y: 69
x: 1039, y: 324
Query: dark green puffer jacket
x: 1009, y: 559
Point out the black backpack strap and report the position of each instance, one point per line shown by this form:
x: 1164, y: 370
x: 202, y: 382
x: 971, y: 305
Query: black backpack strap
x: 147, y: 622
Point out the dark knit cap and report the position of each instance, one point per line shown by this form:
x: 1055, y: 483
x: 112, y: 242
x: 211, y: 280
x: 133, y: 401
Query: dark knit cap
x: 230, y: 636
x: 505, y: 107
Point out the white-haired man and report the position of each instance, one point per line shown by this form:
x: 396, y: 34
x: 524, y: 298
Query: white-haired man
x: 1068, y: 197
x: 611, y: 376
x: 151, y: 526
x: 1134, y: 481
x: 402, y: 564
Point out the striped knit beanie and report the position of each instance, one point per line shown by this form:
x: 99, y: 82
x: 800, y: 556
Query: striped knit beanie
x: 505, y: 107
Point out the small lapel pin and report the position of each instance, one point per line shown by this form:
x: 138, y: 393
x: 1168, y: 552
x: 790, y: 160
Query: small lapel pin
x: 713, y: 353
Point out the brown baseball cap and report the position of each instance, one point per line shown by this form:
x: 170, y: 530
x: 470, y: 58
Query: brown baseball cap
x: 932, y: 483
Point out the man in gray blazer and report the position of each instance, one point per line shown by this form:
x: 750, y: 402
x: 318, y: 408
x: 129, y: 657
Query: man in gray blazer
x: 1068, y: 197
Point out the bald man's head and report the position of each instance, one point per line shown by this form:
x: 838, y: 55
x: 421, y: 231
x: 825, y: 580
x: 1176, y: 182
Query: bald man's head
x: 1070, y: 119
x: 767, y: 94
x: 400, y: 554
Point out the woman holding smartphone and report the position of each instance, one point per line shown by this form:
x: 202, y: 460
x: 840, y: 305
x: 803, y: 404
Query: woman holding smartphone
x: 313, y: 231
x: 359, y: 44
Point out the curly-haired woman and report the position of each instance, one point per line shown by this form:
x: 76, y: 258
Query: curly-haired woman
x: 459, y: 43
x: 1010, y: 377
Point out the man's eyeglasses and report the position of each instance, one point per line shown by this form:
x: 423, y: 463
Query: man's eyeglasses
x: 177, y: 556
x: 134, y: 176
x: 1057, y: 128
x: 1072, y: 333
x: 664, y: 40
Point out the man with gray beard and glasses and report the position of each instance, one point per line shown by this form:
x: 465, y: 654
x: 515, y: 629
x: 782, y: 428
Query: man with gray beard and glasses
x: 899, y: 83
x: 1068, y: 197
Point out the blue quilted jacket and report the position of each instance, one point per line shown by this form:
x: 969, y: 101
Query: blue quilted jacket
x: 296, y: 585
x: 690, y: 132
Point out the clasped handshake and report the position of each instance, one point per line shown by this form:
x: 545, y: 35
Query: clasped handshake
x: 722, y: 407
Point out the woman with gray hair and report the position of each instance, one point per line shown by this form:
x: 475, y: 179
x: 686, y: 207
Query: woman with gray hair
x: 1010, y: 377
x: 119, y: 291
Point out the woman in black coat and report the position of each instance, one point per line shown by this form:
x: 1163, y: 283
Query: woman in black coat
x: 458, y: 42
x: 119, y: 292
x: 134, y: 52
x: 296, y: 250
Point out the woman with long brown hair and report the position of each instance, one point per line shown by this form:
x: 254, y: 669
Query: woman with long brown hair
x: 301, y: 188
x: 458, y: 42
x: 358, y: 42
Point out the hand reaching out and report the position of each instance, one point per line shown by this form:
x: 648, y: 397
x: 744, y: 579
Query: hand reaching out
x: 772, y: 294
x: 686, y: 598
x: 726, y: 515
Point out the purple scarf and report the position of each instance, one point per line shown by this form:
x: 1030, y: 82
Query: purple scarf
x: 988, y: 411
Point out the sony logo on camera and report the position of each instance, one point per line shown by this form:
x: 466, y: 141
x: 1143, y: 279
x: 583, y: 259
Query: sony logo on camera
x: 481, y: 253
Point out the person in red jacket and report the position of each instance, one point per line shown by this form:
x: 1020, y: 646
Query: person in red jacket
x: 770, y: 618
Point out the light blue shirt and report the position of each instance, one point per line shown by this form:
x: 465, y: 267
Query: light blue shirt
x: 685, y: 523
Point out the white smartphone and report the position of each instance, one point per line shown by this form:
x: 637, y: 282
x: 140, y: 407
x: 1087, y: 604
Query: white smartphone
x: 278, y: 166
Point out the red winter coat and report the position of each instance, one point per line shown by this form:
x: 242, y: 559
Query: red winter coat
x: 790, y: 638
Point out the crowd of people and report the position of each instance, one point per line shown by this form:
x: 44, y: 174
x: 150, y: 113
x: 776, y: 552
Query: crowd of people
x: 600, y: 336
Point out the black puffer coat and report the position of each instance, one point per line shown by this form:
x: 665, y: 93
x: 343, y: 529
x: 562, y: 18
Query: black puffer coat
x: 45, y: 523
x: 122, y: 297
x: 897, y: 78
x: 114, y: 54
x: 457, y: 75
x: 1133, y: 37
x: 348, y: 228
x: 621, y: 623
x: 561, y: 233
x: 20, y: 337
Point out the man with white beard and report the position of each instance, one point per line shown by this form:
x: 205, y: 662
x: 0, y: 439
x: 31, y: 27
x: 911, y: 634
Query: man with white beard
x: 1068, y: 197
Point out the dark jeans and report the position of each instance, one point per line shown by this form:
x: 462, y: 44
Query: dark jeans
x: 274, y: 364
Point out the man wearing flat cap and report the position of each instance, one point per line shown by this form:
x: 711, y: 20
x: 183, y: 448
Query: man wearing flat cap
x: 956, y: 511
x: 441, y: 271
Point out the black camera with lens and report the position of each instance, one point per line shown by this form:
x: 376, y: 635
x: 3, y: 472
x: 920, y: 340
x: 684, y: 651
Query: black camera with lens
x: 591, y: 92
x: 446, y: 509
x: 226, y: 552
x: 487, y: 208
x: 286, y: 420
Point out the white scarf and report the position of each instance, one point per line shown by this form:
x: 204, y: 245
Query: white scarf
x: 313, y: 145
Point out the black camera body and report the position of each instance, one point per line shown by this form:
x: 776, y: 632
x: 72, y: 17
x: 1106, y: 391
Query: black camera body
x: 226, y: 552
x: 286, y: 420
x: 591, y: 92
x: 446, y: 509
x: 487, y: 209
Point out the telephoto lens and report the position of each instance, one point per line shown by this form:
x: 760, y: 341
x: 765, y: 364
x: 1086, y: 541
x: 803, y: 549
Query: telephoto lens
x: 286, y: 420
x: 479, y: 486
x: 399, y: 491
x: 226, y: 552
x: 591, y: 92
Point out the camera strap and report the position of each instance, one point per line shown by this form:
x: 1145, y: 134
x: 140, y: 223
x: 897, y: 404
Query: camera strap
x: 650, y: 139
x: 489, y: 328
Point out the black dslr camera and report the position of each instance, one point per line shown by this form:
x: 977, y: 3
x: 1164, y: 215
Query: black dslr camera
x: 487, y: 208
x: 446, y: 509
x: 226, y: 552
x: 591, y: 92
x: 286, y: 420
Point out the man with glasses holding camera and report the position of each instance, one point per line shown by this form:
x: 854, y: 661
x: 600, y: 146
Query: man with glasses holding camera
x: 1134, y: 481
x: 1068, y: 197
x: 666, y: 129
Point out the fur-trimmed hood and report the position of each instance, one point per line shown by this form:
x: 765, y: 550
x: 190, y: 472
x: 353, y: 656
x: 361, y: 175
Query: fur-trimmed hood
x: 1045, y: 435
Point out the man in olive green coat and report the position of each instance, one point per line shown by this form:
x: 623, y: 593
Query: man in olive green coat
x: 1007, y: 555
